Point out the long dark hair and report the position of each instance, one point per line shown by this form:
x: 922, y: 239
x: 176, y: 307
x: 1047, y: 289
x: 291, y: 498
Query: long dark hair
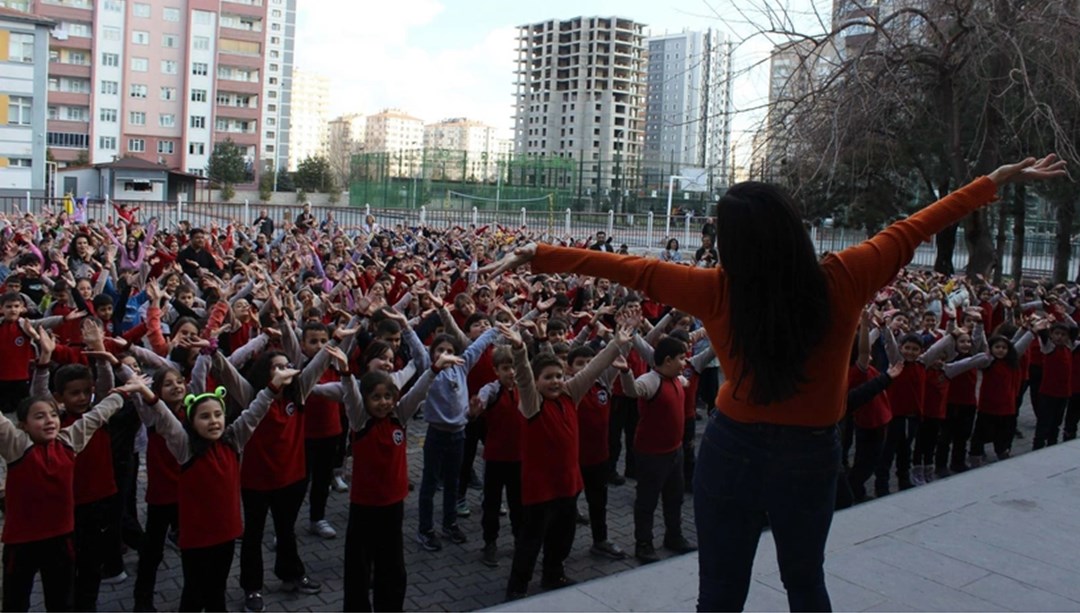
x: 776, y: 290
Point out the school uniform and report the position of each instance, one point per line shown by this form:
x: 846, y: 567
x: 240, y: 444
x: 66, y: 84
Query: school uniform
x: 959, y: 421
x: 162, y: 512
x: 906, y: 401
x: 19, y: 353
x: 996, y: 421
x: 1054, y: 392
x: 624, y: 418
x: 322, y: 437
x: 658, y: 447
x: 502, y: 457
x: 870, y: 421
x: 594, y: 415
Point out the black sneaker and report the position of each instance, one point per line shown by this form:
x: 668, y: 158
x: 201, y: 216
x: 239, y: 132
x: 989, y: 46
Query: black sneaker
x: 646, y: 553
x: 556, y: 583
x: 582, y: 519
x: 454, y: 533
x: 608, y: 550
x: 616, y: 479
x: 304, y: 585
x: 429, y: 541
x: 253, y: 602
x: 679, y: 545
x: 490, y: 556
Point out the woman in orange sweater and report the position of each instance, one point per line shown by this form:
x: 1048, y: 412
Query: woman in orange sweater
x: 772, y: 450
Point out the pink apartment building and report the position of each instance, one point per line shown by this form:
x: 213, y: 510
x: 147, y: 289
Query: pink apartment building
x: 163, y: 80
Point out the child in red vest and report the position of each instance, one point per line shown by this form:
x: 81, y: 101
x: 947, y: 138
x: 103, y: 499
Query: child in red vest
x: 550, y: 471
x: 498, y: 403
x: 374, y: 542
x: 18, y: 352
x: 1056, y: 385
x: 40, y: 514
x: 658, y: 448
x: 208, y: 452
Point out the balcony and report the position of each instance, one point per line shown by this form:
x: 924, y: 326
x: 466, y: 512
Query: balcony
x: 59, y: 69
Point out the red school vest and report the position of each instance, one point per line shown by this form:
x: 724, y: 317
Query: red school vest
x: 505, y: 428
x: 94, y: 478
x: 936, y: 396
x: 380, y: 475
x: 322, y: 416
x: 906, y: 391
x: 483, y: 372
x: 41, y: 496
x: 962, y: 388
x: 997, y: 396
x: 594, y: 416
x: 17, y: 353
x: 661, y: 419
x: 209, y: 498
x: 549, y: 465
x: 875, y: 413
x: 274, y: 457
x: 1057, y: 372
x: 162, y: 470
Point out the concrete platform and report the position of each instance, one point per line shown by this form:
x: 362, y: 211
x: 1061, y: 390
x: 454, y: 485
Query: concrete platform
x: 1004, y: 537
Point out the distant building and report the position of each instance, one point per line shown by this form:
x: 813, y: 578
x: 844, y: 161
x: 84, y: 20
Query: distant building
x: 400, y: 137
x: 24, y: 45
x: 475, y: 140
x: 309, y: 117
x: 347, y: 137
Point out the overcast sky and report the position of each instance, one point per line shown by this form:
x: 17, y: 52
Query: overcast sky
x: 455, y: 58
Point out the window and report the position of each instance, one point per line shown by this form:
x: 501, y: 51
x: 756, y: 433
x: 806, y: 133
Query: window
x: 168, y: 66
x: 69, y: 84
x: 139, y: 91
x: 271, y: 107
x: 67, y: 140
x: 170, y: 14
x: 166, y: 120
x: 198, y: 95
x: 200, y: 68
x: 113, y: 6
x: 166, y: 146
x: 20, y: 162
x: 168, y: 93
x: 75, y: 28
x: 140, y: 37
x: 110, y: 59
x: 110, y: 87
x: 170, y: 41
x: 275, y: 40
x: 111, y: 33
x: 198, y: 121
x: 75, y: 113
x: 107, y: 142
x: 136, y: 145
x: 239, y: 47
x: 196, y: 171
x: 107, y: 115
x: 201, y: 42
x: 137, y: 118
x: 140, y: 64
x: 197, y: 149
x: 201, y: 18
x: 19, y: 110
x: 273, y: 67
x: 78, y: 58
x: 140, y: 9
x: 21, y: 48
x: 274, y: 54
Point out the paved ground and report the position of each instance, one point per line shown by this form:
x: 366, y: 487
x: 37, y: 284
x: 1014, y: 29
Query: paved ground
x: 1000, y: 538
x: 454, y: 579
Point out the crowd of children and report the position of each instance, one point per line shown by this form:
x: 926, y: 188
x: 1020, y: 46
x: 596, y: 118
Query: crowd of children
x: 243, y: 366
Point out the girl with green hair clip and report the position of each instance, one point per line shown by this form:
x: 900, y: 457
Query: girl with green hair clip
x: 208, y: 451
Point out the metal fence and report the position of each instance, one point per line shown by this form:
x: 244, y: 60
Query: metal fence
x: 641, y: 233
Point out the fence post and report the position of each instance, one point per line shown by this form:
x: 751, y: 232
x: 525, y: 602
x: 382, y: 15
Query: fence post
x: 567, y: 223
x: 179, y: 209
x: 475, y: 217
x: 610, y: 222
x: 649, y: 233
x: 247, y: 212
x: 423, y: 215
x: 523, y: 216
x: 367, y: 211
x: 686, y: 231
x: 814, y: 239
x: 27, y: 202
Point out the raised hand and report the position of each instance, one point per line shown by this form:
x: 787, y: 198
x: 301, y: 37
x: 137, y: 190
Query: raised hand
x: 102, y: 355
x: 283, y: 377
x: 521, y: 256
x: 895, y: 370
x: 1030, y: 169
x: 338, y: 356
x: 447, y: 360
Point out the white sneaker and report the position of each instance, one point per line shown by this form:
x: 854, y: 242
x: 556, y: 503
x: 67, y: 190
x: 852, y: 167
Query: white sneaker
x: 122, y: 577
x: 918, y: 475
x: 338, y: 484
x: 322, y: 528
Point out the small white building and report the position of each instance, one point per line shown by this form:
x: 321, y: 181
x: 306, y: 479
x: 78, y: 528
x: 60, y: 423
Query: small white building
x: 24, y: 79
x: 129, y: 179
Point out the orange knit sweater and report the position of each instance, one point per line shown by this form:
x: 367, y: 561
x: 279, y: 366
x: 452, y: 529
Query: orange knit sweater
x: 853, y: 277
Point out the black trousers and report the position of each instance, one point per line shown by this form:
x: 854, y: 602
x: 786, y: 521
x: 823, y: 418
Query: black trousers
x: 926, y: 440
x: 709, y: 386
x: 95, y: 531
x: 689, y: 432
x: 1072, y: 418
x: 321, y: 454
x: 1048, y: 416
x: 624, y: 418
x: 375, y: 558
x: 475, y: 432
x: 499, y: 476
x: 955, y: 433
x: 596, y: 496
x: 284, y: 503
x: 899, y: 435
x: 54, y: 558
x: 995, y: 429
x: 847, y: 436
x: 206, y: 572
x: 658, y: 477
x: 159, y: 518
x: 1034, y: 384
x: 869, y: 443
x: 547, y: 525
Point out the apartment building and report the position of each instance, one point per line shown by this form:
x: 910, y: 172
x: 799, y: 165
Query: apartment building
x: 398, y: 135
x: 310, y: 116
x: 24, y: 43
x: 475, y: 141
x: 164, y: 80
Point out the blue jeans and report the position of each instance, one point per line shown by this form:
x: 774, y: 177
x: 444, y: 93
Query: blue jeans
x: 442, y: 459
x: 752, y: 474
